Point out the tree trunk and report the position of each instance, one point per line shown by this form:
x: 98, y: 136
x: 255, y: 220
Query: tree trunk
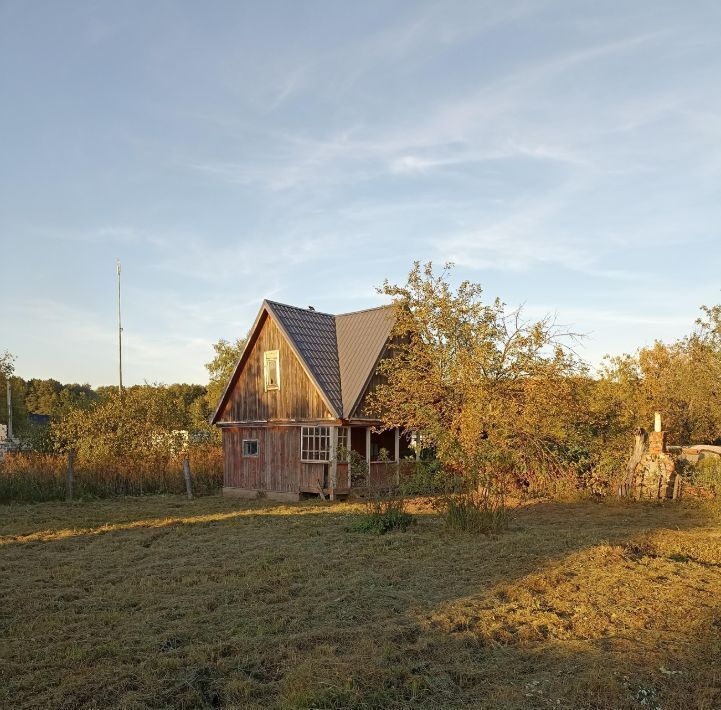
x: 640, y: 446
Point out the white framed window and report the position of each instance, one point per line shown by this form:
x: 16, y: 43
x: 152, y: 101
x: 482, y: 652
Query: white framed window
x: 343, y: 439
x: 315, y: 442
x: 250, y: 447
x: 271, y: 370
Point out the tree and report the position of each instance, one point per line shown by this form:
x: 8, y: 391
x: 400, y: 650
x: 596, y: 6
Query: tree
x: 55, y: 399
x: 682, y: 380
x: 138, y: 424
x: 7, y: 364
x: 221, y: 368
x: 7, y: 374
x: 492, y: 392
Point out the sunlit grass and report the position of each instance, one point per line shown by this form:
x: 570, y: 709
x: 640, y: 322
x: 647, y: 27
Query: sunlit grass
x: 160, y: 602
x: 59, y: 534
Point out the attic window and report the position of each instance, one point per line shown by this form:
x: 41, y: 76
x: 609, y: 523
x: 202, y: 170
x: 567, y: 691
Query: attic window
x: 271, y: 370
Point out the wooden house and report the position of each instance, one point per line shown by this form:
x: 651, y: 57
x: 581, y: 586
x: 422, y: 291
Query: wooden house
x: 297, y: 398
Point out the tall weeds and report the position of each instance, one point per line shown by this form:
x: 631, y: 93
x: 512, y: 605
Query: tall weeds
x: 385, y: 510
x: 31, y: 477
x: 477, y: 511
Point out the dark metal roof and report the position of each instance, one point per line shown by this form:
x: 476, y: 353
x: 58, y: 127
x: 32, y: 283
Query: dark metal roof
x: 361, y: 337
x: 341, y: 351
x: 313, y: 335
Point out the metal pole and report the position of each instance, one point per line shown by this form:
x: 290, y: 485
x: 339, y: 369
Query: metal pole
x: 120, y: 337
x: 10, y: 407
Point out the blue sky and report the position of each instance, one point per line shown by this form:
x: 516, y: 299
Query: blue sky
x: 566, y: 155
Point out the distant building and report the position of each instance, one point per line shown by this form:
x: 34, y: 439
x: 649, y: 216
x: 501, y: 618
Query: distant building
x: 3, y: 440
x: 38, y: 419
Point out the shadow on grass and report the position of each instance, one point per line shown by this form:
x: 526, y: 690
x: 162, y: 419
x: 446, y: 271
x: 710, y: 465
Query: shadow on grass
x: 219, y: 603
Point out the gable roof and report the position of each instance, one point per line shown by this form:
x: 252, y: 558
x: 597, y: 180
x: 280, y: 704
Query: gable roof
x: 339, y: 353
x: 313, y: 336
x: 361, y: 337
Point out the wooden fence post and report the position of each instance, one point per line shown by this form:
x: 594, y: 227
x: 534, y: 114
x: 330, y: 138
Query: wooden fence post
x: 186, y: 475
x: 368, y: 455
x: 70, y: 475
x: 397, y: 455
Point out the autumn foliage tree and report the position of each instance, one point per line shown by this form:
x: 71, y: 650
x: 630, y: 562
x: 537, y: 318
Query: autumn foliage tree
x: 682, y: 380
x: 220, y: 368
x: 493, y: 393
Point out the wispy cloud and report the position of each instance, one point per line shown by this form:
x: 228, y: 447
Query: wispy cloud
x: 483, y: 125
x: 308, y: 154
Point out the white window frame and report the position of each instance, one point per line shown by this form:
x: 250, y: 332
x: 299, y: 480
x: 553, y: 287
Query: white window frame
x: 343, y: 437
x: 257, y: 449
x: 315, y: 444
x: 315, y: 441
x: 270, y: 356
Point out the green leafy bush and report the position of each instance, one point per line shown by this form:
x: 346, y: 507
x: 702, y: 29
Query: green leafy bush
x: 381, y: 523
x: 385, y: 511
x: 428, y: 479
x: 707, y: 474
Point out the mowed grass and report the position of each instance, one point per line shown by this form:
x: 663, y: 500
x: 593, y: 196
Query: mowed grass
x: 160, y: 602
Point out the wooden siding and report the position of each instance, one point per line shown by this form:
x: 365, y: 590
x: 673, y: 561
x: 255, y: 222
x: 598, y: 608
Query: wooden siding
x: 313, y: 473
x: 297, y: 399
x: 387, y: 474
x: 275, y: 468
x: 362, y: 410
x: 343, y: 476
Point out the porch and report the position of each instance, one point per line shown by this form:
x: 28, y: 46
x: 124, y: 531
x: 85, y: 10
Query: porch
x: 384, y: 453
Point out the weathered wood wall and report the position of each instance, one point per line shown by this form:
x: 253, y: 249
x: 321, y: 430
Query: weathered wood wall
x: 297, y: 397
x: 313, y: 473
x: 386, y: 474
x: 363, y: 409
x: 277, y: 466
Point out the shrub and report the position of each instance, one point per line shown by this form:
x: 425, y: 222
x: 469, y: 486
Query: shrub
x: 707, y: 474
x: 381, y: 523
x: 385, y: 510
x: 479, y: 511
x: 358, y: 466
x: 428, y: 479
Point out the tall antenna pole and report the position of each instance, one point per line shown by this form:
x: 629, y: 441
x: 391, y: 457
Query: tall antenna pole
x: 10, y: 405
x: 120, y: 337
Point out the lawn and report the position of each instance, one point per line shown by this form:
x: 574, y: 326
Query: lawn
x: 160, y: 602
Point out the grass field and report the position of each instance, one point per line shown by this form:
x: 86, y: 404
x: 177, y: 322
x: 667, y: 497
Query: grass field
x: 162, y: 602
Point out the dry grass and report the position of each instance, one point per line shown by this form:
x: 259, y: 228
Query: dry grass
x: 162, y: 602
x: 32, y: 477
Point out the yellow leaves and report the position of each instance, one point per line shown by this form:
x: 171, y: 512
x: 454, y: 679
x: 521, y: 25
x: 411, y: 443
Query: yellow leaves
x: 466, y: 372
